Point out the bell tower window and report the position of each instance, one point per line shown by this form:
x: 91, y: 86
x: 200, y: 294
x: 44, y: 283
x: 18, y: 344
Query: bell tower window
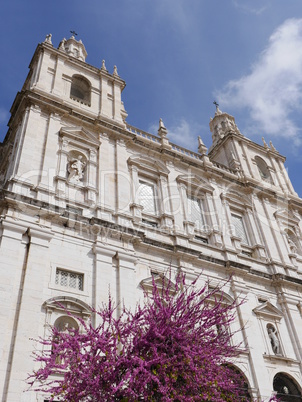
x: 80, y: 89
x: 263, y: 170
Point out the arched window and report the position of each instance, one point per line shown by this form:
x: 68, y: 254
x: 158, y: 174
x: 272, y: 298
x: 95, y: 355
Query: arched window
x: 80, y: 89
x: 263, y: 170
x: 287, y: 389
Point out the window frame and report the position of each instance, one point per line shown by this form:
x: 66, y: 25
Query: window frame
x: 236, y: 214
x: 143, y: 181
x: 199, y: 224
x: 154, y: 173
x: 192, y: 186
x: 68, y: 290
x: 235, y: 204
x: 79, y: 279
x: 82, y: 85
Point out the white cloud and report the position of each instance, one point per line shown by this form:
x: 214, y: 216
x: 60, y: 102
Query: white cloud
x: 246, y: 6
x: 272, y: 92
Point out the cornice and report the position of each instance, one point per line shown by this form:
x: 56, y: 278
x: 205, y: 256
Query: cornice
x: 140, y: 237
x: 28, y: 97
x: 59, y: 53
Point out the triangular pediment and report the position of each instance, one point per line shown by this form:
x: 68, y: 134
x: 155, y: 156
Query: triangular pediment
x: 153, y: 165
x: 159, y: 280
x: 79, y: 134
x: 269, y: 311
x: 287, y: 217
x: 235, y: 197
x: 195, y: 182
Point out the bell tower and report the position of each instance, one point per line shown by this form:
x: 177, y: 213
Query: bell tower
x: 254, y: 163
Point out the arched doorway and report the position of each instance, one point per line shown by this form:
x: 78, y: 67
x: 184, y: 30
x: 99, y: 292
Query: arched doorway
x: 287, y: 388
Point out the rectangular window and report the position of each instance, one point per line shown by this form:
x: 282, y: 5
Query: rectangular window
x: 240, y: 231
x: 69, y: 279
x: 146, y: 197
x: 195, y: 212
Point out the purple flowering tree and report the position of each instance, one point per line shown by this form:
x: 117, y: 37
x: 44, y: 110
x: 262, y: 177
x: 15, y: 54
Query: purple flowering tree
x: 175, y: 347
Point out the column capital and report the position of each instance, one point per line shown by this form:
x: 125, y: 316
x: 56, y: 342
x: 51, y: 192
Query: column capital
x: 128, y: 258
x: 40, y: 236
x: 102, y: 250
x: 13, y: 230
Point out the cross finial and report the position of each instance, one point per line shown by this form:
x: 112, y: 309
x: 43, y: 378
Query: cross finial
x: 216, y: 104
x: 73, y: 33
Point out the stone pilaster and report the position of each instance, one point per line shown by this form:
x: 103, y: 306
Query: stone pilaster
x: 30, y: 300
x: 127, y: 284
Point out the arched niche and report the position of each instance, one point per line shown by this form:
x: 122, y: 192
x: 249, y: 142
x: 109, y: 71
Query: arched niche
x: 244, y: 388
x: 274, y: 339
x: 76, y: 167
x: 287, y: 388
x: 65, y: 322
x: 58, y: 309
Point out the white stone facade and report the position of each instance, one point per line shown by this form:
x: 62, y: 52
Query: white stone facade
x: 90, y: 204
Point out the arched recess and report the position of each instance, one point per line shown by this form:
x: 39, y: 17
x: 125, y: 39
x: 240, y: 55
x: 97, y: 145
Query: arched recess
x: 228, y: 327
x: 65, y: 322
x: 57, y: 310
x: 287, y: 388
x: 80, y: 89
x: 245, y: 388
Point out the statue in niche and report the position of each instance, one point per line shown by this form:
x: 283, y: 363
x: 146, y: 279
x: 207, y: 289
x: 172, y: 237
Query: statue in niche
x: 222, y: 330
x: 285, y: 390
x: 67, y: 327
x: 76, y: 169
x: 292, y: 245
x: 272, y: 333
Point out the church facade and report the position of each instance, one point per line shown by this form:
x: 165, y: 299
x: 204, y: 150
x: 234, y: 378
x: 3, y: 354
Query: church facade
x: 90, y: 204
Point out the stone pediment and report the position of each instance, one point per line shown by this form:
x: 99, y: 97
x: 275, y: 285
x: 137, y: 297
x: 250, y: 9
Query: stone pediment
x: 195, y: 182
x: 235, y: 197
x: 269, y: 311
x: 159, y: 280
x: 153, y: 165
x: 79, y: 134
x: 287, y: 217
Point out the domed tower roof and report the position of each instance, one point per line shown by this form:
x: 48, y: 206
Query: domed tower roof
x: 74, y: 48
x: 221, y: 125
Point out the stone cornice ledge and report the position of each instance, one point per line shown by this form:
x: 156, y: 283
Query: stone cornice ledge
x: 277, y: 358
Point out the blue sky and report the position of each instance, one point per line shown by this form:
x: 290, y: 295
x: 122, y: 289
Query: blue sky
x: 177, y: 57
